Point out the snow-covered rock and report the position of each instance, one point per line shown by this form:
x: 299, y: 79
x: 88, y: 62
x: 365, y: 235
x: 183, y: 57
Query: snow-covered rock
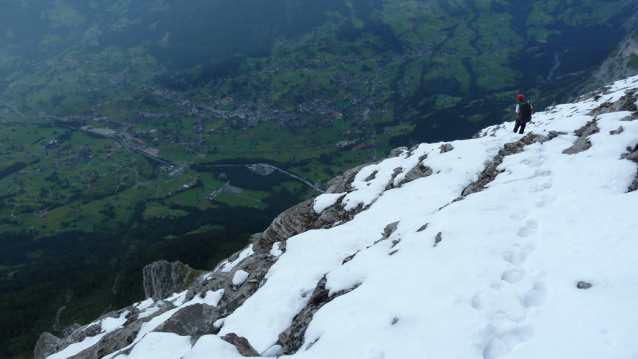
x: 502, y: 246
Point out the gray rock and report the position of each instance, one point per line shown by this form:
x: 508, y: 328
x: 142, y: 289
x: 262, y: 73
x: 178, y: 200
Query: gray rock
x: 490, y: 172
x: 583, y: 285
x: 632, y: 156
x: 419, y: 171
x: 554, y: 134
x: 617, y: 67
x: 70, y: 330
x: 162, y: 278
x: 446, y: 147
x: 422, y: 228
x: 302, y: 217
x: 242, y: 344
x: 195, y: 320
x: 47, y: 344
x: 617, y: 131
x: 397, y: 151
x: 343, y: 182
x: 582, y: 143
x: 625, y: 103
x: 437, y: 239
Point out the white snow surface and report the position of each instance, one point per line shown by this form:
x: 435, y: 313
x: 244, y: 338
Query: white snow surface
x: 110, y: 324
x: 228, y: 266
x: 275, y: 251
x: 326, y: 200
x: 500, y: 284
x: 240, y: 277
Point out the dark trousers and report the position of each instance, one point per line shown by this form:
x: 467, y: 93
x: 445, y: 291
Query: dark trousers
x: 520, y: 124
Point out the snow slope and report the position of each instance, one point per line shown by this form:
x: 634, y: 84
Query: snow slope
x: 502, y: 282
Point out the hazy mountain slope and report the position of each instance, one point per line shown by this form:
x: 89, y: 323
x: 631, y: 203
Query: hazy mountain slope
x: 622, y: 63
x: 505, y: 246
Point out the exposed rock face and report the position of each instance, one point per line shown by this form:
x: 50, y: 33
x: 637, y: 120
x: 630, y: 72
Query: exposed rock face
x: 162, y: 278
x: 46, y: 345
x: 195, y: 320
x: 489, y: 174
x: 621, y: 64
x: 625, y: 103
x: 582, y: 143
x: 110, y: 343
x: 397, y: 151
x: 446, y: 147
x: 417, y: 172
x: 302, y: 217
x: 242, y: 344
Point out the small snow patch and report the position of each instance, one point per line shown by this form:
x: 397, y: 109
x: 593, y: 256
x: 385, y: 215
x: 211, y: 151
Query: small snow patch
x: 326, y: 200
x: 275, y: 251
x: 240, y: 277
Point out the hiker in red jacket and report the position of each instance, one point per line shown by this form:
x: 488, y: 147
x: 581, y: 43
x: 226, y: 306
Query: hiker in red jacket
x: 524, y: 113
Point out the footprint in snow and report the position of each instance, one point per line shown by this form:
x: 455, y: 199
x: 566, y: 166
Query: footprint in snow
x: 529, y: 229
x: 503, y: 342
x: 518, y: 216
x: 545, y: 201
x: 517, y: 255
x: 536, y: 296
x: 513, y: 275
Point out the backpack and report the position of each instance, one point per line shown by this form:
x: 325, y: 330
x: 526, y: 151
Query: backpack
x: 525, y: 109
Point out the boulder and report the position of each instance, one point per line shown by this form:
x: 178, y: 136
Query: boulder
x: 446, y: 147
x: 46, y: 345
x: 194, y: 320
x: 242, y: 345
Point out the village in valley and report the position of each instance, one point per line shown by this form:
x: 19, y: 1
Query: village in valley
x: 89, y: 132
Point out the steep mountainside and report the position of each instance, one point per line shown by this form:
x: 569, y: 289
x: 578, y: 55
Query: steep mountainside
x: 499, y: 246
x: 621, y: 64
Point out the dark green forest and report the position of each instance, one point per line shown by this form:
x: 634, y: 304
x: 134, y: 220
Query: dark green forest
x: 91, y: 273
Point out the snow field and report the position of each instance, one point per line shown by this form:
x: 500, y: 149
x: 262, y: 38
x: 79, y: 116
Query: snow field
x: 500, y: 284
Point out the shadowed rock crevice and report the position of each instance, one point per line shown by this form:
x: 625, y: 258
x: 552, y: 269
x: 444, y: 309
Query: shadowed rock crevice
x: 293, y: 338
x: 489, y: 173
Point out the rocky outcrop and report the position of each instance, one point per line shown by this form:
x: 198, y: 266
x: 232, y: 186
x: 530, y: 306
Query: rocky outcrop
x: 446, y: 147
x: 302, y: 217
x: 194, y: 320
x: 46, y: 345
x: 110, y: 343
x: 162, y: 278
x: 621, y: 64
x: 625, y: 103
x: 582, y: 143
x: 491, y: 171
x: 242, y: 345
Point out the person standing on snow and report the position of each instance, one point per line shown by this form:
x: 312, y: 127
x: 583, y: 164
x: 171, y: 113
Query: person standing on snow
x: 524, y: 113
